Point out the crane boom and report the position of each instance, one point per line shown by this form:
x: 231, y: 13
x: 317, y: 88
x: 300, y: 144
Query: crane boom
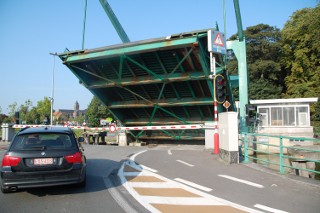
x: 239, y: 21
x: 114, y: 20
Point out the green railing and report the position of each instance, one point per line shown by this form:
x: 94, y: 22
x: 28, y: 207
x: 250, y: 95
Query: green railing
x: 288, y: 153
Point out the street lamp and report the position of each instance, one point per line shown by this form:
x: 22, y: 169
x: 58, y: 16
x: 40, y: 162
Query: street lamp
x: 51, y: 110
x: 52, y: 92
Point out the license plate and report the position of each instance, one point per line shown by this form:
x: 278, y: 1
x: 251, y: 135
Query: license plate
x: 43, y: 161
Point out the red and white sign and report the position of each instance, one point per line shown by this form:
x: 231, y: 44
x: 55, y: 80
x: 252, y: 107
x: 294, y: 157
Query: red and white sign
x: 112, y: 128
x: 218, y: 40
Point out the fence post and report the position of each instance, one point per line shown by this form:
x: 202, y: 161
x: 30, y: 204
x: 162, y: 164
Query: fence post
x: 246, y: 159
x: 281, y: 157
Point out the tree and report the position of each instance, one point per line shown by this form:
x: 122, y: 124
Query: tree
x: 95, y: 111
x: 24, y: 109
x: 12, y: 109
x: 316, y: 114
x: 266, y: 79
x: 44, y: 109
x: 300, y: 53
x: 33, y: 116
x: 3, y: 118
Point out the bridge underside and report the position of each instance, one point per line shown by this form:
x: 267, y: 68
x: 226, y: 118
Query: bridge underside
x: 152, y: 82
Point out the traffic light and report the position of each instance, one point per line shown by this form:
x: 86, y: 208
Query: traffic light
x: 251, y: 111
x: 220, y: 86
x: 17, y: 117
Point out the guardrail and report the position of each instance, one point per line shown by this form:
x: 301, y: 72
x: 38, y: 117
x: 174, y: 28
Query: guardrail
x: 298, y: 154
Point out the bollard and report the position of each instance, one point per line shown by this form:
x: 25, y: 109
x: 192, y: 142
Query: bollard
x: 216, y: 143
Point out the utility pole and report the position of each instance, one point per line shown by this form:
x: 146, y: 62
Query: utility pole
x: 52, y: 91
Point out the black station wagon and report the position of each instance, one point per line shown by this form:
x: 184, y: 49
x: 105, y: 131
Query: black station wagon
x: 43, y: 156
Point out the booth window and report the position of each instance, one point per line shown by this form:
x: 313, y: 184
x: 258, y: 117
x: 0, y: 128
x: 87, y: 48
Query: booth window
x: 287, y: 116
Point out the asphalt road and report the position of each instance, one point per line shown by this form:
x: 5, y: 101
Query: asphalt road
x: 253, y: 188
x: 95, y: 197
x: 247, y: 185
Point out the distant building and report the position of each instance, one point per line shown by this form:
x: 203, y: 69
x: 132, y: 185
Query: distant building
x: 63, y: 115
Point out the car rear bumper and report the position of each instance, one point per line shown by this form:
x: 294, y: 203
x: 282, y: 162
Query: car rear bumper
x: 10, y: 180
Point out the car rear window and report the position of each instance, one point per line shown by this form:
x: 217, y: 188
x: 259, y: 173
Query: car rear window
x: 42, y: 141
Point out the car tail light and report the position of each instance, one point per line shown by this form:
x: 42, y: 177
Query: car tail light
x: 75, y: 158
x: 10, y: 160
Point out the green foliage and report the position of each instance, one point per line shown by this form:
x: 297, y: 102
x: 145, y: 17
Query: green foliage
x: 80, y: 119
x: 77, y: 132
x: 264, y: 88
x: 315, y: 111
x: 44, y: 108
x: 12, y: 109
x: 95, y: 111
x: 300, y: 54
x: 3, y: 118
x: 262, y: 43
x: 32, y: 115
x: 266, y: 79
x: 24, y: 109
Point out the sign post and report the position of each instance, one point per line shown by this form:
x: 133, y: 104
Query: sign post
x: 216, y: 44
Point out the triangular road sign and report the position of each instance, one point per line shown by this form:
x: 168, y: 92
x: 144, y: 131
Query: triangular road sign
x: 218, y: 40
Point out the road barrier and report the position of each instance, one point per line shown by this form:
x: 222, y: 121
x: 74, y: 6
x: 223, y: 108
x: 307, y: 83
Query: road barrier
x: 168, y: 127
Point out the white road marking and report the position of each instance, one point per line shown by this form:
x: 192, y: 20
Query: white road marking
x: 130, y: 189
x: 143, y: 173
x: 194, y: 185
x: 181, y: 200
x: 266, y: 208
x: 242, y: 181
x: 169, y: 152
x: 185, y: 163
x: 149, y: 169
x: 156, y: 185
x: 147, y: 200
x: 123, y: 203
x: 135, y: 155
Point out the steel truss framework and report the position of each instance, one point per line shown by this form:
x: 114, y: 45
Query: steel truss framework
x: 161, y: 81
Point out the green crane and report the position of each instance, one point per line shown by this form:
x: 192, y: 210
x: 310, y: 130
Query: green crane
x: 239, y: 49
x: 114, y: 20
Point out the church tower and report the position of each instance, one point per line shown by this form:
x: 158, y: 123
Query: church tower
x: 76, y: 109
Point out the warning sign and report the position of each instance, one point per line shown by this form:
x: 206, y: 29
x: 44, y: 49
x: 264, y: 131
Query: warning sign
x: 226, y: 104
x: 216, y: 42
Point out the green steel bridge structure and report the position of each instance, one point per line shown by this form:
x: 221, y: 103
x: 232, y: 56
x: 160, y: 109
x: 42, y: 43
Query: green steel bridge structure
x: 163, y: 81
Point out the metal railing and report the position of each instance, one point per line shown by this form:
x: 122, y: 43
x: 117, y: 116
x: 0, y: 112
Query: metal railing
x: 289, y: 153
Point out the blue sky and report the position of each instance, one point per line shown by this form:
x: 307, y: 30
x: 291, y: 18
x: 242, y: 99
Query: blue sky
x: 31, y: 29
